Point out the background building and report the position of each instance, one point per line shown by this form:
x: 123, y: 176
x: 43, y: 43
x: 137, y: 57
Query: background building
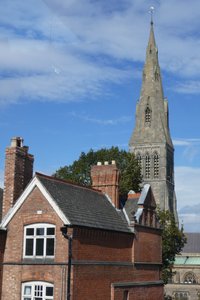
x: 185, y: 283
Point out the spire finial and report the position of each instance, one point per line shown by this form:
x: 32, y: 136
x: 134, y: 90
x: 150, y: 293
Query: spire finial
x: 151, y: 11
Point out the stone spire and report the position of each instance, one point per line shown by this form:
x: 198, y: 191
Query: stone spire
x: 151, y: 141
x: 152, y: 108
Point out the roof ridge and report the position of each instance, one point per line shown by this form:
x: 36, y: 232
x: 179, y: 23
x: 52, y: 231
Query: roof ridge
x: 68, y: 182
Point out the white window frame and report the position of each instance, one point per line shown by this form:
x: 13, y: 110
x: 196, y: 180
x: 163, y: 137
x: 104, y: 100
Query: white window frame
x: 35, y: 226
x: 37, y: 293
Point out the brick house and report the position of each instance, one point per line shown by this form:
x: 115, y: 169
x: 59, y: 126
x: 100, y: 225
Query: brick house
x: 115, y: 253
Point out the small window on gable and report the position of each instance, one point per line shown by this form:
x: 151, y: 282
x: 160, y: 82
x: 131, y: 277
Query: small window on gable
x: 39, y: 241
x: 37, y: 290
x: 156, y: 165
x: 147, y: 116
x: 147, y: 166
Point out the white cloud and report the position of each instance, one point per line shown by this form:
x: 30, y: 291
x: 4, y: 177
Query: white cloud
x: 190, y: 87
x: 191, y: 148
x: 64, y: 50
x: 191, y: 222
x: 84, y: 117
x: 188, y: 200
x: 186, y: 142
x: 181, y: 142
x: 35, y: 71
x: 187, y: 186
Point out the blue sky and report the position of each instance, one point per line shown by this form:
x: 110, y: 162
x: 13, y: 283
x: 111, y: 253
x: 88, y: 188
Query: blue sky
x: 70, y: 77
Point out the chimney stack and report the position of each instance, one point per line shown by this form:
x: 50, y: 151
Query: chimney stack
x: 18, y: 172
x: 105, y: 177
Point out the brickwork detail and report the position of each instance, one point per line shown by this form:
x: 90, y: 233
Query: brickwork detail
x: 18, y: 172
x: 106, y: 178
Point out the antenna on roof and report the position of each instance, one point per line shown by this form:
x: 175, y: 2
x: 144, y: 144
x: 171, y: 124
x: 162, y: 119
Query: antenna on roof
x: 151, y: 11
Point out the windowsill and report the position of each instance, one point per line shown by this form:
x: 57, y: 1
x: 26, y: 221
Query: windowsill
x: 38, y: 260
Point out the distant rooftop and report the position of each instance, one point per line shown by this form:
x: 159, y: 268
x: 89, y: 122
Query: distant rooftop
x: 191, y: 251
x: 193, y: 243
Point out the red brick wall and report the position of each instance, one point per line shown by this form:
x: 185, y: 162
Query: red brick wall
x: 89, y: 244
x: 94, y: 282
x: 93, y: 250
x: 2, y: 248
x: 14, y: 271
x: 139, y: 293
x: 147, y: 245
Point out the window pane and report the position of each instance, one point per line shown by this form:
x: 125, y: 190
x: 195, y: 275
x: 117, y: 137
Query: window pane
x: 50, y: 231
x: 49, y: 291
x: 38, y: 290
x: 30, y: 231
x: 39, y: 246
x: 50, y: 247
x: 27, y: 298
x: 29, y: 247
x: 40, y: 231
x: 27, y: 290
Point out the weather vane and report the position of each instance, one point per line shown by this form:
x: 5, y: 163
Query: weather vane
x: 151, y: 11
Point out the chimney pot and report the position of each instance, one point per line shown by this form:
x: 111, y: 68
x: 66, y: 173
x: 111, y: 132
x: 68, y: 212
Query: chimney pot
x: 99, y: 163
x: 106, y: 179
x: 17, y: 142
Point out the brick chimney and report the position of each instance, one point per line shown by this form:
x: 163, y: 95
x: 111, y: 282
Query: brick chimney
x: 18, y: 172
x: 106, y: 179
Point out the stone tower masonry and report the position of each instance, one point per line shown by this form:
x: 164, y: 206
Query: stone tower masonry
x: 151, y: 141
x: 18, y: 172
x: 106, y: 179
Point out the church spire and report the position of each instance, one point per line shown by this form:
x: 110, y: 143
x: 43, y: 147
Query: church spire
x: 152, y: 108
x: 151, y: 141
x: 151, y: 71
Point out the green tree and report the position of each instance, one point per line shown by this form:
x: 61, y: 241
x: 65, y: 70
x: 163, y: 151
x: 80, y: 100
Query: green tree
x: 79, y: 170
x: 173, y: 240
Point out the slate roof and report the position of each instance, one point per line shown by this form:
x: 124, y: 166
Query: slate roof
x: 1, y: 203
x: 84, y: 206
x: 131, y: 207
x: 193, y: 243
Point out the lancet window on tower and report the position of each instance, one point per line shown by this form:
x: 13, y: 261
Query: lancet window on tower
x: 147, y: 166
x: 156, y: 165
x: 147, y: 116
x: 139, y: 161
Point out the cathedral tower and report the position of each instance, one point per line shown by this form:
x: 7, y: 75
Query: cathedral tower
x: 151, y: 141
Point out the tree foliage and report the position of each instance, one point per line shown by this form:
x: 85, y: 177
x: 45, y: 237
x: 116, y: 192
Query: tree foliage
x: 173, y: 240
x: 79, y: 170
